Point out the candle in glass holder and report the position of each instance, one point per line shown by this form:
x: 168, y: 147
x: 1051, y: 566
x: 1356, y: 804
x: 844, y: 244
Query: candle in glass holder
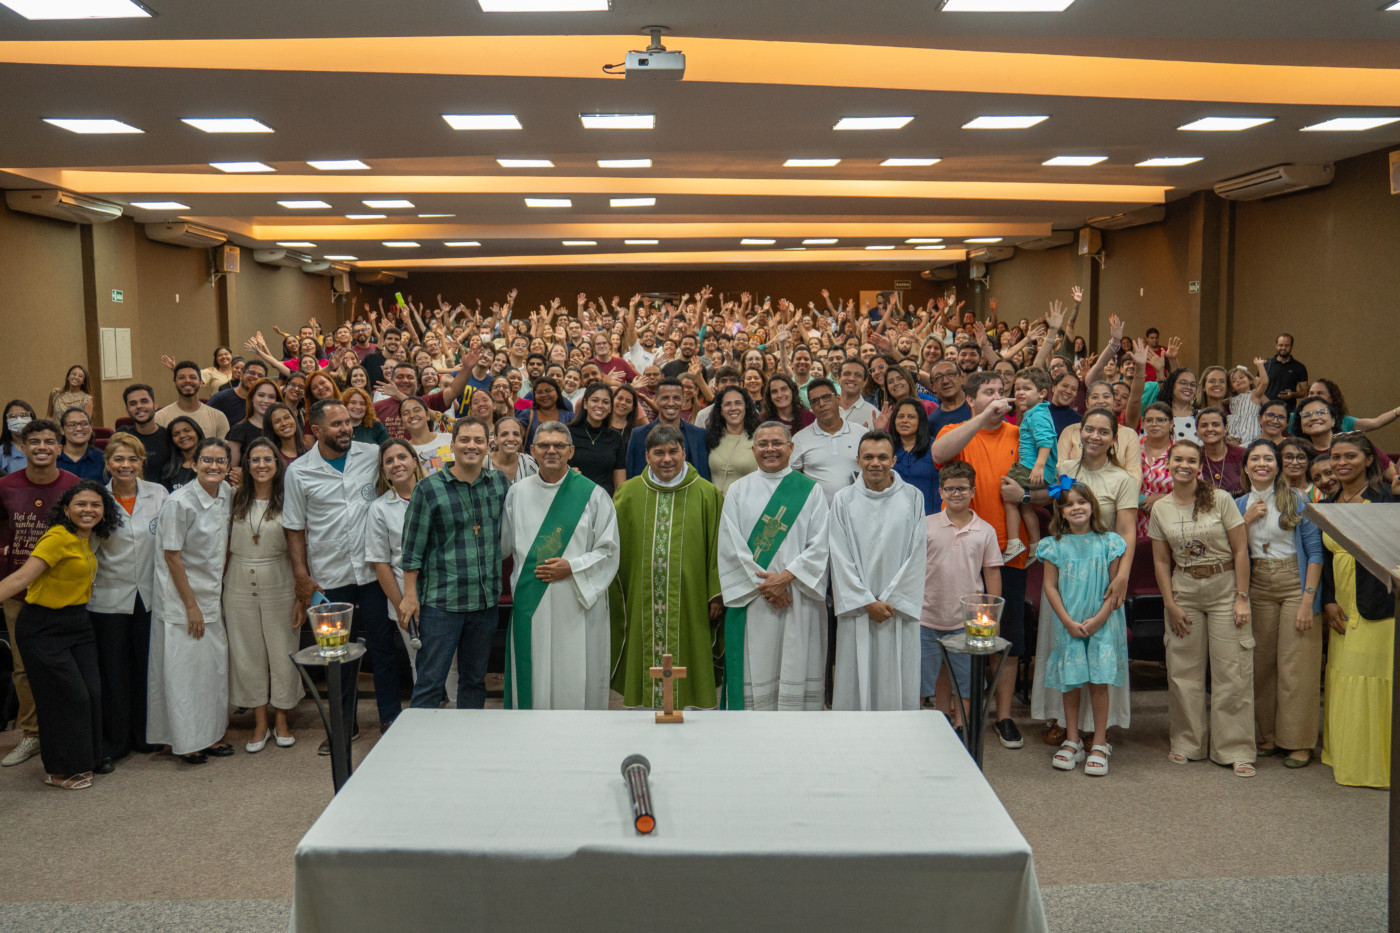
x: 330, y: 624
x: 981, y: 620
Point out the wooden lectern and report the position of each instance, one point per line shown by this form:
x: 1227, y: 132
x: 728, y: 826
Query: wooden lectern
x: 1371, y: 534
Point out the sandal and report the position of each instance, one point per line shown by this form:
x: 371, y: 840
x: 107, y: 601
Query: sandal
x: 194, y: 758
x: 1054, y: 733
x: 1244, y: 769
x: 1069, y: 756
x: 71, y: 782
x: 1097, y: 765
x: 219, y: 751
x: 1177, y: 758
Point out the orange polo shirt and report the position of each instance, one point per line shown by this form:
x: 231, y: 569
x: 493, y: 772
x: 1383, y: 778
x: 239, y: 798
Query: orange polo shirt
x: 992, y: 453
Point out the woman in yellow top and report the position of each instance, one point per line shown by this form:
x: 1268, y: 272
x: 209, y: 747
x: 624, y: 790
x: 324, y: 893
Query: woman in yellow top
x: 55, y: 637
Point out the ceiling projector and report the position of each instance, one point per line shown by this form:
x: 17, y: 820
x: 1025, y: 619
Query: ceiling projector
x: 654, y: 62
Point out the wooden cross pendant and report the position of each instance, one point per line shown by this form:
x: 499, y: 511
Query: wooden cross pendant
x: 668, y: 674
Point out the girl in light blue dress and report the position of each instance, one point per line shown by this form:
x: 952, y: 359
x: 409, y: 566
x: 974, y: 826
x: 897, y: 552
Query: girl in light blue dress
x: 1090, y: 647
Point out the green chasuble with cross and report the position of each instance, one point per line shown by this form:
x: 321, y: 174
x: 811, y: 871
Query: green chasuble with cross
x: 660, y: 601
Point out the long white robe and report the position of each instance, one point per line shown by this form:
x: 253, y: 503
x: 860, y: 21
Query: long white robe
x: 784, y: 649
x: 570, y: 634
x: 187, y: 686
x: 878, y: 552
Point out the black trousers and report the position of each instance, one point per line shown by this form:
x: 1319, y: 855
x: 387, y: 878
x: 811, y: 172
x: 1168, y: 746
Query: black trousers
x: 123, y: 656
x: 372, y: 620
x: 60, y: 656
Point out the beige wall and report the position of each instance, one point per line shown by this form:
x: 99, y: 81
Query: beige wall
x: 272, y: 296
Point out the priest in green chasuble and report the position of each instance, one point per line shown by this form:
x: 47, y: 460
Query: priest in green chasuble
x: 666, y: 599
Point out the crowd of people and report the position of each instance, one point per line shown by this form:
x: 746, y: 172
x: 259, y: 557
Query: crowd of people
x: 790, y: 501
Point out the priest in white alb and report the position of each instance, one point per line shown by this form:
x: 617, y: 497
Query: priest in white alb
x: 878, y: 557
x: 772, y: 571
x: 562, y: 531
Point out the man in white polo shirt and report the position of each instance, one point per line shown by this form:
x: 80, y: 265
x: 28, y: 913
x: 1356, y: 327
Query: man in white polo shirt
x: 826, y: 449
x: 326, y: 500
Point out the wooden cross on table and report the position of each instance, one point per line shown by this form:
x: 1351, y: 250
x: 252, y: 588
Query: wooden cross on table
x: 668, y: 675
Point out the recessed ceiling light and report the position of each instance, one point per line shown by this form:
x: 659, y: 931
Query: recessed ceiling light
x: 826, y: 241
x: 755, y: 241
x: 1075, y: 160
x: 401, y: 244
x: 1005, y: 6
x: 909, y: 163
x: 928, y: 247
x: 482, y: 121
x: 461, y: 243
x: 365, y: 216
x: 811, y: 163
x: 871, y: 123
x: 624, y: 163
x: 303, y: 205
x: 641, y: 242
x: 388, y: 203
x: 548, y: 202
x: 77, y: 9
x: 1350, y: 124
x: 794, y: 249
x: 618, y: 121
x: 341, y: 258
x: 228, y: 124
x: 93, y: 126
x: 1004, y: 123
x: 437, y: 215
x: 1225, y: 124
x: 338, y: 165
x: 1393, y: 8
x: 543, y: 6
x: 983, y: 239
x: 924, y: 239
x: 879, y: 247
x: 242, y: 167
x: 1169, y: 161
x: 160, y: 205
x: 631, y: 202
x: 297, y: 244
x: 580, y: 242
x: 525, y: 163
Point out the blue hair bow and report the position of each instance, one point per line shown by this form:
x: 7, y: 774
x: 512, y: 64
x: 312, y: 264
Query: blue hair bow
x: 1059, y: 486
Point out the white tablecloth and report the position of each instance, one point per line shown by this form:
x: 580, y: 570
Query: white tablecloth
x: 503, y: 821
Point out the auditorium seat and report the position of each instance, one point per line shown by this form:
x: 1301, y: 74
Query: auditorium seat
x: 123, y: 422
x: 100, y: 436
x: 1147, y: 620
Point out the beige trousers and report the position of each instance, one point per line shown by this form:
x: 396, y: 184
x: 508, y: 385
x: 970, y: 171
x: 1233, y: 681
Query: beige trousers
x: 1224, y: 724
x: 27, y: 720
x: 258, y: 600
x: 1287, y: 662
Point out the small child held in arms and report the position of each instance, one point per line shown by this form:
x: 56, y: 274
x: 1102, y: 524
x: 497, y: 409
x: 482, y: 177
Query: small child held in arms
x: 1036, y: 459
x: 963, y: 558
x: 1090, y: 645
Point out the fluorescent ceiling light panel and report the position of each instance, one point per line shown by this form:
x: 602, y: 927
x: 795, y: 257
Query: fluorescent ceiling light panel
x: 160, y: 205
x: 879, y: 247
x: 543, y: 6
x: 461, y: 243
x: 1225, y: 124
x: 909, y: 163
x: 631, y: 202
x: 303, y: 205
x: 525, y: 163
x: 1350, y: 124
x: 872, y: 123
x: 983, y: 239
x: 387, y: 203
x: 794, y: 249
x: 1075, y: 160
x: 928, y: 247
x: 618, y: 121
x: 1004, y: 123
x: 341, y: 258
x: 548, y: 202
x: 296, y: 244
x: 92, y: 126
x: 401, y: 244
x: 1393, y: 8
x: 365, y: 216
x: 580, y: 242
x: 924, y: 239
x: 641, y: 242
x: 228, y: 124
x: 437, y: 215
x: 755, y: 241
x: 624, y: 163
x: 337, y: 165
x: 811, y: 163
x: 826, y: 241
x: 242, y: 167
x: 482, y: 121
x: 1169, y: 161
x: 1005, y: 6
x: 77, y: 9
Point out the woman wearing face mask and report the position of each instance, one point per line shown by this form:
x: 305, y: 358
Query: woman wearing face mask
x: 598, y: 451
x: 259, y: 596
x: 368, y: 428
x: 281, y: 427
x: 1285, y: 551
x: 185, y: 438
x: 1361, y: 613
x: 729, y: 437
x: 506, y: 454
x: 434, y: 448
x: 18, y: 413
x: 1224, y: 462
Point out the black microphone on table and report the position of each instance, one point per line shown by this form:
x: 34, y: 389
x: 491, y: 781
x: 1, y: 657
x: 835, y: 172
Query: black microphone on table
x: 635, y: 769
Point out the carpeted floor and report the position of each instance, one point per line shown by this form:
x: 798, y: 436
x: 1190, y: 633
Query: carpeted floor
x: 161, y: 845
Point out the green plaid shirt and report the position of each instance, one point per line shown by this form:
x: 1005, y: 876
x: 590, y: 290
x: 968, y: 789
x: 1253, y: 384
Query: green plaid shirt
x: 452, y: 537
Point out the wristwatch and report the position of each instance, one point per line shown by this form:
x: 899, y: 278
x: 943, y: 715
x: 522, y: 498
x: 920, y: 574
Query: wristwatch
x: 1241, y: 594
x: 1310, y: 590
x: 1025, y: 497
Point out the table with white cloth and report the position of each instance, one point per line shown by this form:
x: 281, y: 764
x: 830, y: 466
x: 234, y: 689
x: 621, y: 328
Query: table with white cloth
x: 504, y: 821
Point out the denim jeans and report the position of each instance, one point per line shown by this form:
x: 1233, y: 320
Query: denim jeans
x: 372, y: 620
x: 444, y: 634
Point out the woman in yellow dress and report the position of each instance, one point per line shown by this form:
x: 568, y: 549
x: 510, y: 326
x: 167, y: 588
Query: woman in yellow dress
x: 1361, y: 614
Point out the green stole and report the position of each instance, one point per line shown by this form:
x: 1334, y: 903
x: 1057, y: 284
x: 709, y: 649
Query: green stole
x: 768, y: 534
x: 554, y: 534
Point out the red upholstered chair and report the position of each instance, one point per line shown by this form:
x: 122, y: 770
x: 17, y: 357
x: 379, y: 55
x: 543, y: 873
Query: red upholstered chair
x: 100, y: 437
x: 1146, y: 617
x: 123, y: 422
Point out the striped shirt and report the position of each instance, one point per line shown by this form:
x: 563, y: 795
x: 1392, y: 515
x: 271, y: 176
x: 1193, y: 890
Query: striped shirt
x: 452, y: 537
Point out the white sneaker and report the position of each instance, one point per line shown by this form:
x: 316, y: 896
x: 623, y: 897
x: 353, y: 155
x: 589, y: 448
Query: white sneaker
x: 27, y: 748
x: 1013, y: 547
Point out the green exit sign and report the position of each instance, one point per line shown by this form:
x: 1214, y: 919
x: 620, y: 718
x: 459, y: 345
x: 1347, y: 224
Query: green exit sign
x: 117, y: 295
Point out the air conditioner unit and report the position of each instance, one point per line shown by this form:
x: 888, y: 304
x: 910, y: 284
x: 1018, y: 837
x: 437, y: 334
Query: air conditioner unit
x: 183, y: 234
x: 986, y: 254
x: 1056, y: 238
x: 1155, y: 213
x: 941, y: 274
x: 1281, y: 179
x: 281, y: 257
x: 324, y: 267
x: 63, y: 205
x: 375, y: 278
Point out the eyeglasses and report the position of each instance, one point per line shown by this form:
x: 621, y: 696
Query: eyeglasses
x: 213, y: 461
x: 1273, y: 416
x: 949, y: 491
x: 1295, y: 458
x: 551, y: 447
x: 769, y: 445
x: 1320, y: 413
x: 820, y: 398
